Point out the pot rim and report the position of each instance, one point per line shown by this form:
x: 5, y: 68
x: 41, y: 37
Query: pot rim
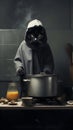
x: 41, y: 75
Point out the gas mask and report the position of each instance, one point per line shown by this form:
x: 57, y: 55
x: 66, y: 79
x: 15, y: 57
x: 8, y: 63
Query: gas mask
x: 36, y: 37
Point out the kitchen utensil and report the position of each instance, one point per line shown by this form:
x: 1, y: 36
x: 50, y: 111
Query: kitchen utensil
x: 27, y: 101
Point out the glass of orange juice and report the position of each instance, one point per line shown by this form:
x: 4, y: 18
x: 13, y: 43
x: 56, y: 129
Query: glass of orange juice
x: 12, y: 92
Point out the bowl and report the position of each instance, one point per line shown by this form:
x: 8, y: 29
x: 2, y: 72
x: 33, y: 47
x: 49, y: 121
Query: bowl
x: 27, y: 101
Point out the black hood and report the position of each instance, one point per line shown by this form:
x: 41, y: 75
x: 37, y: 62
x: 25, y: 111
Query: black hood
x: 35, y: 35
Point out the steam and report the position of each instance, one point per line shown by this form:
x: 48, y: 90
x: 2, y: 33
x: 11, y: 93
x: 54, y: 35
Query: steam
x: 26, y: 19
x: 22, y: 14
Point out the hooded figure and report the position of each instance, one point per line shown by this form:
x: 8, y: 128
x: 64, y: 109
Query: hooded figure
x: 34, y: 54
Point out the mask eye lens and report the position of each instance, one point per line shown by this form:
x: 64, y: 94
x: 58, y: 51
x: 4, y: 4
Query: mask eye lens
x: 32, y: 36
x: 40, y: 36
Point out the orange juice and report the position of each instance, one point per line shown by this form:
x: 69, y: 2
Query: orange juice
x: 12, y: 95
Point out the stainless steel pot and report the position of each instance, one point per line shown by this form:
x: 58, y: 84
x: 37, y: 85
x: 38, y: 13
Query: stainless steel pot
x: 42, y: 85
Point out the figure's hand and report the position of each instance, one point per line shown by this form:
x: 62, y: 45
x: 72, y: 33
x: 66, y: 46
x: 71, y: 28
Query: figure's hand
x: 20, y: 72
x: 42, y: 73
x: 47, y: 71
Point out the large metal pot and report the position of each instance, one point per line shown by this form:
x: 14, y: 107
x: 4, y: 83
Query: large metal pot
x: 42, y: 85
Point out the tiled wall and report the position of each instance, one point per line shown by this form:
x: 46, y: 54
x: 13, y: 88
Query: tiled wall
x: 9, y: 42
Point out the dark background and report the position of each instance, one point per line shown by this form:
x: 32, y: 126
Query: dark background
x: 57, y: 18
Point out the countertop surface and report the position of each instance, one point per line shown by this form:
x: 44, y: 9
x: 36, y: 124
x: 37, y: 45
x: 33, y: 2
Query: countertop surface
x: 20, y: 105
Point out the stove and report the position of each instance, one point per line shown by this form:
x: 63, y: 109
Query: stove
x: 48, y: 101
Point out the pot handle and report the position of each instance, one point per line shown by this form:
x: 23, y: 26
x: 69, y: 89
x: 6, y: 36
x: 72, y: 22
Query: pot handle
x: 26, y: 80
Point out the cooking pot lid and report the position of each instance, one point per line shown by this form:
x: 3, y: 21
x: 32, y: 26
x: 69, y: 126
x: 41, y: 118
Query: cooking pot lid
x: 41, y: 75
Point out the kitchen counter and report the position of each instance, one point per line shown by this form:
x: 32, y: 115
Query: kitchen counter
x: 45, y: 117
x: 35, y: 107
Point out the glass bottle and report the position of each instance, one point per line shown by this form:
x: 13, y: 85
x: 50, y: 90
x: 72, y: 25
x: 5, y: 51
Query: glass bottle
x: 12, y: 92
